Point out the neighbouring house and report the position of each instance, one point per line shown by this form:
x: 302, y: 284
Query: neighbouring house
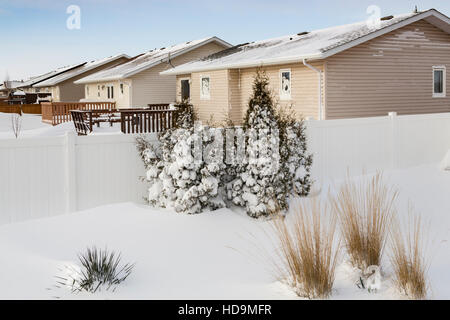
x: 62, y: 86
x: 138, y: 82
x: 397, y: 63
x: 27, y: 85
x: 8, y: 87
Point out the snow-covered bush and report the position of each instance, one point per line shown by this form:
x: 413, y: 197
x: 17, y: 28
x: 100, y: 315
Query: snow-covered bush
x: 276, y: 165
x: 185, y: 168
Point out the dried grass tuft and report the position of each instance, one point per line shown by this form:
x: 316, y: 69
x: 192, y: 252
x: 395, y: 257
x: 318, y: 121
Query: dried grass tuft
x: 408, y: 260
x: 365, y: 211
x: 308, y: 250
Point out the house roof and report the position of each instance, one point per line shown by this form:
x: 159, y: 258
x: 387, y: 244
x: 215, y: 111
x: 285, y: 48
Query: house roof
x: 34, y: 80
x: 148, y: 60
x: 313, y: 45
x: 79, y: 70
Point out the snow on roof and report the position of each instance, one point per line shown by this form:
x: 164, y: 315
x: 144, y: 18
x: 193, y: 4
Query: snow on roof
x: 317, y: 44
x: 33, y: 80
x: 79, y: 70
x: 147, y: 60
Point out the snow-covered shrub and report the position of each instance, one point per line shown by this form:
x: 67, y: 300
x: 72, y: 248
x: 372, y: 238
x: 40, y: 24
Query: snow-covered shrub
x: 185, y: 169
x: 295, y: 161
x: 276, y: 164
x: 100, y: 269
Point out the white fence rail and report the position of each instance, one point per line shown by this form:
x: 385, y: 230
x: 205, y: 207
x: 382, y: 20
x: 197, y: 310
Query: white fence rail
x: 42, y: 177
x: 365, y: 145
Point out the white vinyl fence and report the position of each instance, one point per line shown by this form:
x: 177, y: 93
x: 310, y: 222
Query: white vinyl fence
x: 47, y: 176
x: 365, y: 145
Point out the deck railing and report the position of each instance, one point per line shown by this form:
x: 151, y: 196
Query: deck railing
x: 146, y: 121
x: 59, y: 112
x: 21, y: 108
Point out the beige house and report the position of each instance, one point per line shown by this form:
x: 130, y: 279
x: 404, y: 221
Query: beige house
x: 358, y: 70
x: 62, y: 86
x: 138, y: 82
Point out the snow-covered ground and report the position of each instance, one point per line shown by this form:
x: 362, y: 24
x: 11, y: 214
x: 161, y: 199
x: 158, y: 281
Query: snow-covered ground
x: 32, y: 126
x: 220, y: 254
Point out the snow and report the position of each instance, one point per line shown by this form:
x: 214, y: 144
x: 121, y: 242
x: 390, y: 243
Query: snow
x: 143, y: 62
x: 32, y: 126
x: 445, y: 164
x: 290, y: 47
x: 213, y: 255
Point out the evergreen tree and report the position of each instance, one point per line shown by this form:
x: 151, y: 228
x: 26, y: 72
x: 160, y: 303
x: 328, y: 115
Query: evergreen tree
x: 255, y: 186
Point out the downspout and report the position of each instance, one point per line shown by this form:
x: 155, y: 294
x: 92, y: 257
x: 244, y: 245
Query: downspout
x: 320, y: 87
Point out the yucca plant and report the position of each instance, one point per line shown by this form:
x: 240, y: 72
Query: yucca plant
x: 407, y: 259
x: 308, y: 250
x: 100, y: 268
x: 365, y: 211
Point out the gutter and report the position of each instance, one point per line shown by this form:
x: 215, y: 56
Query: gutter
x: 320, y: 87
x: 241, y: 65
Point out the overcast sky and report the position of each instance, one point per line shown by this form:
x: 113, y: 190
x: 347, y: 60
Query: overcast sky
x: 35, y: 38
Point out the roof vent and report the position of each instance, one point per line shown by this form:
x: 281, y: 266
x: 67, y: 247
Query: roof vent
x: 302, y: 33
x: 162, y: 48
x: 387, y: 18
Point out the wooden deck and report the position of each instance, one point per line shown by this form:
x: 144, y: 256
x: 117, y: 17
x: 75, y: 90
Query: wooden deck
x: 59, y: 112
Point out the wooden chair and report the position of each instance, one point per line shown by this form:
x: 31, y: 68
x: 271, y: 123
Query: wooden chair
x: 82, y: 121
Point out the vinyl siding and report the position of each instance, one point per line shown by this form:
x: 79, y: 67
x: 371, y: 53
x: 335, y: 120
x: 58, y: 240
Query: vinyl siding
x: 150, y: 87
x: 214, y: 109
x: 233, y: 89
x: 389, y: 73
x: 122, y: 100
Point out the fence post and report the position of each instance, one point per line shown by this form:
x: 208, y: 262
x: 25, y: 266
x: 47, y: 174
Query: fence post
x: 394, y: 138
x: 70, y: 172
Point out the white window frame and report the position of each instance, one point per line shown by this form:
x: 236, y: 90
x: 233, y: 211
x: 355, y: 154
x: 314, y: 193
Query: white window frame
x: 444, y: 79
x: 282, y: 95
x: 202, y: 96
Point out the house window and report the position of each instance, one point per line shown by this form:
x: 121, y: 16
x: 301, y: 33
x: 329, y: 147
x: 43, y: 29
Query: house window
x: 87, y: 91
x: 285, y: 85
x: 110, y: 92
x: 439, y: 82
x: 121, y: 88
x: 205, y: 88
x: 98, y: 90
x: 185, y: 89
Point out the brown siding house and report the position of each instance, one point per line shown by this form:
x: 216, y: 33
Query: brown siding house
x: 362, y: 71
